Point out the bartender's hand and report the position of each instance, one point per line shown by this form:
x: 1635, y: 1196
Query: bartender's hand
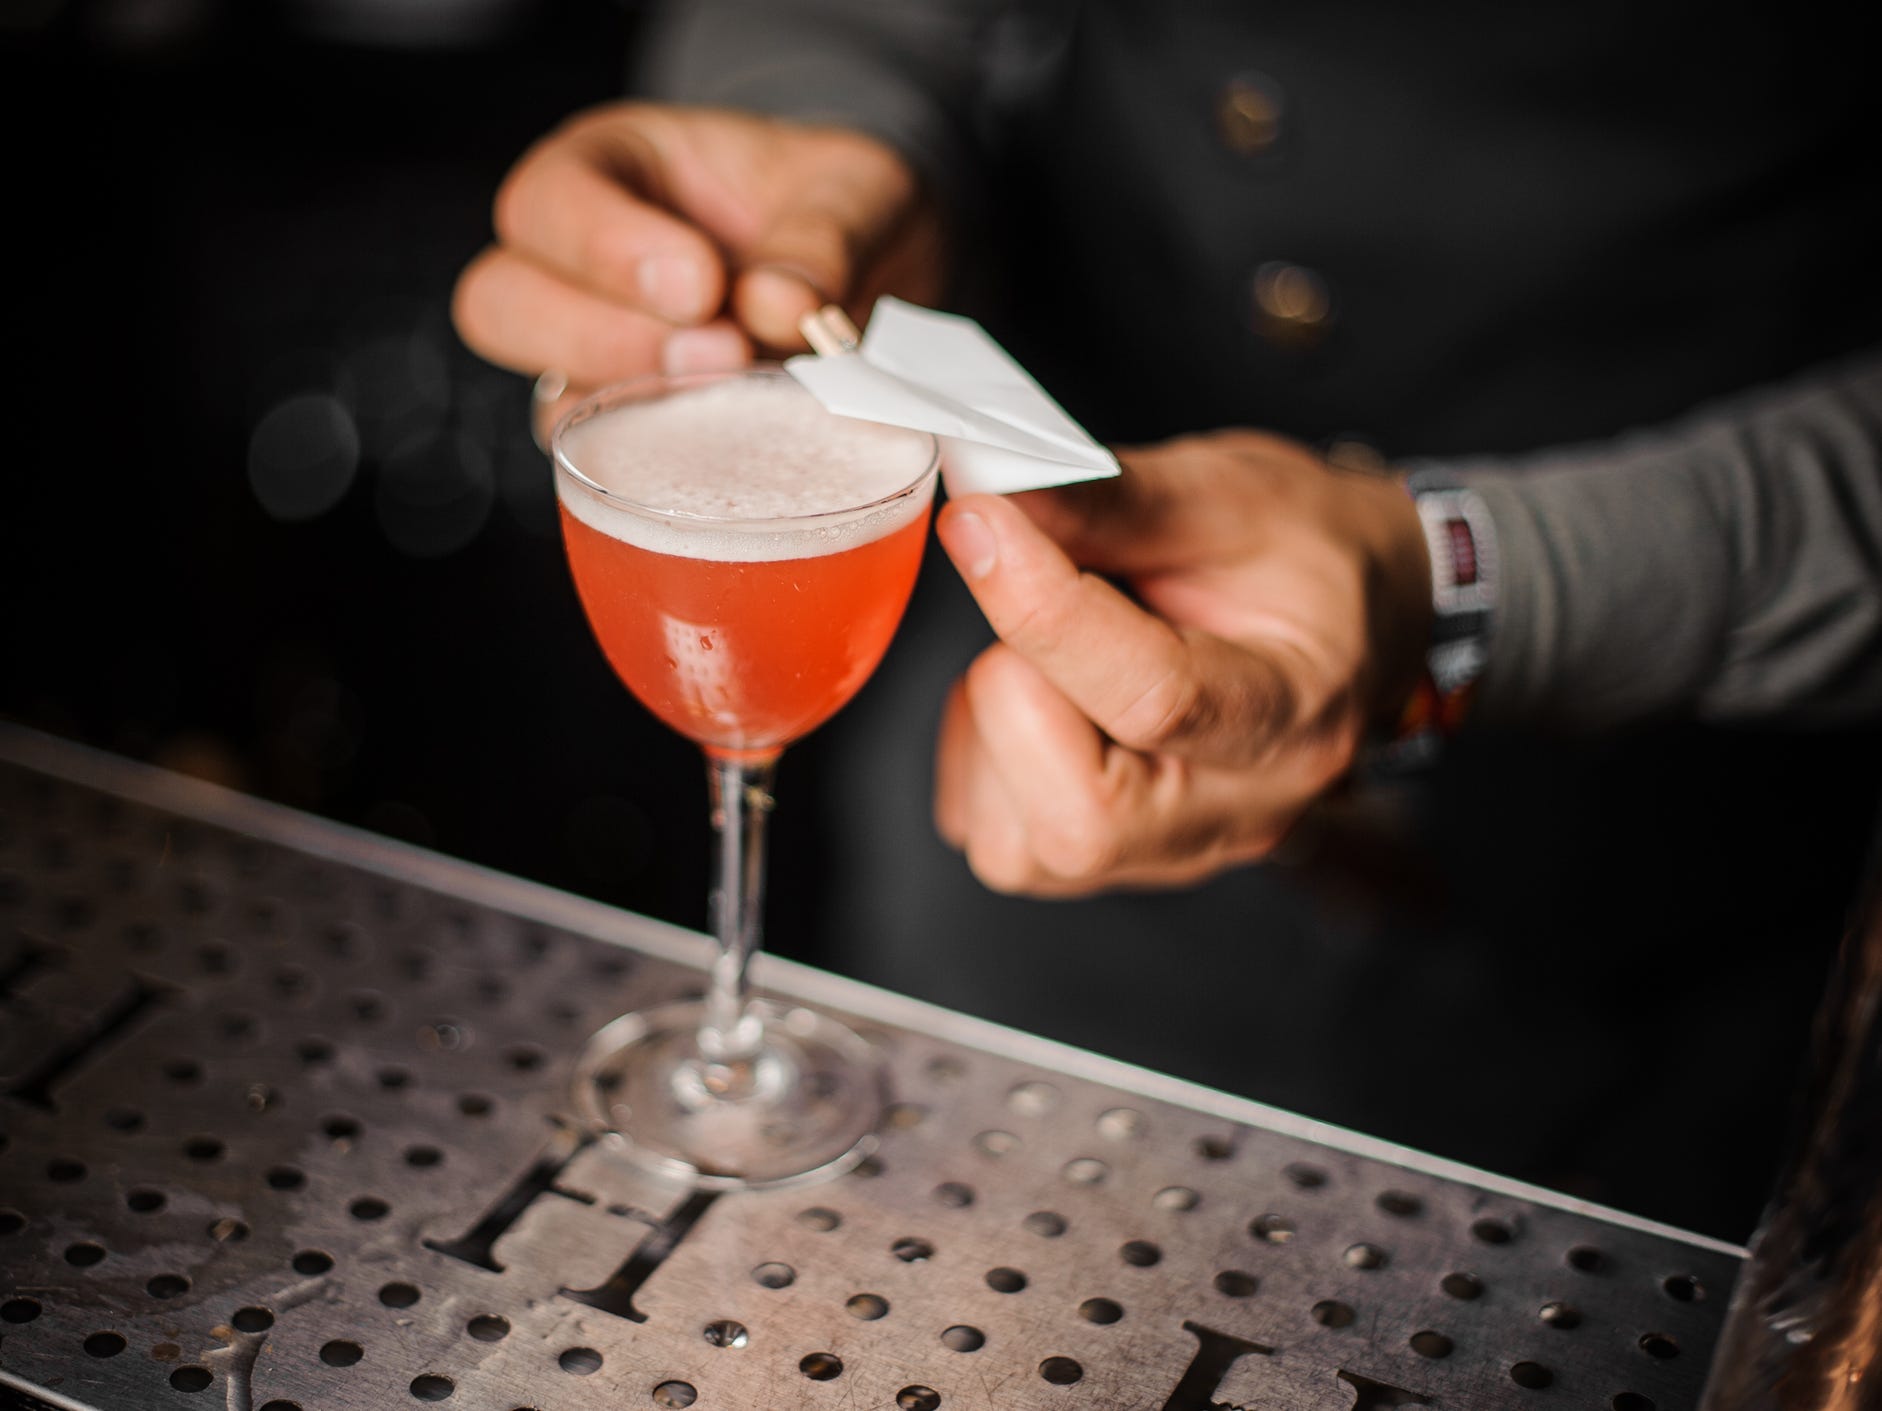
x: 638, y: 238
x: 1281, y: 611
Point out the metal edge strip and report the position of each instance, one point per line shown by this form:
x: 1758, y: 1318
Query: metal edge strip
x: 213, y: 804
x: 41, y: 1396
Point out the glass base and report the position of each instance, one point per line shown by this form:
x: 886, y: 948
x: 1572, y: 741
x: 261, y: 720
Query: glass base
x: 804, y: 1107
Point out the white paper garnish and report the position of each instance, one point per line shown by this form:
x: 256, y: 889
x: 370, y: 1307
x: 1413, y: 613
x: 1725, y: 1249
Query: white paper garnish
x: 941, y: 373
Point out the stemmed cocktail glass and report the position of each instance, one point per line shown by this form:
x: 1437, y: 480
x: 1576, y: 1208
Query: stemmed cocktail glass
x: 743, y: 557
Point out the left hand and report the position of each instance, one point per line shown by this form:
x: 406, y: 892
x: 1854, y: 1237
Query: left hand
x: 1282, y: 608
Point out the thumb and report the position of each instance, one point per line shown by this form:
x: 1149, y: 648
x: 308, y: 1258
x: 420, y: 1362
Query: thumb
x: 852, y: 195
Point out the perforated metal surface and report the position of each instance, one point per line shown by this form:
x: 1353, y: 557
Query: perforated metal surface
x: 281, y: 1130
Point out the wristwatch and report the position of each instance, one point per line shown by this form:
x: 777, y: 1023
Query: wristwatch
x: 1461, y: 540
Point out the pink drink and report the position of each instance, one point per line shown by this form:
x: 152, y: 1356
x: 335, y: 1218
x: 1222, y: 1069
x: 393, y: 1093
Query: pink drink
x: 759, y: 588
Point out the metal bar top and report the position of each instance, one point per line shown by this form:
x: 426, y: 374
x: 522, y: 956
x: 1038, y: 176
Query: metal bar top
x: 282, y: 1127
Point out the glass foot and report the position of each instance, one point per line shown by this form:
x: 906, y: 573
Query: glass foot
x: 804, y: 1107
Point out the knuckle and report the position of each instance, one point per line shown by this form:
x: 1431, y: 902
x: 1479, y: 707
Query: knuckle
x: 1168, y: 709
x: 1000, y: 868
x: 1078, y: 846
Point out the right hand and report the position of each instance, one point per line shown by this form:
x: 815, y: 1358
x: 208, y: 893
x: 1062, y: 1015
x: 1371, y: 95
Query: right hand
x: 641, y: 238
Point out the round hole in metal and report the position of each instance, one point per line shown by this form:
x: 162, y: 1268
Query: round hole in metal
x: 311, y: 1261
x: 1631, y: 1401
x: 821, y: 1366
x: 279, y: 1405
x: 962, y: 1338
x: 314, y: 1049
x: 1560, y: 1315
x: 901, y: 1116
x: 145, y: 1201
x: 1461, y: 1285
x: 1139, y: 1254
x: 579, y: 1361
x: 84, y: 1254
x: 819, y: 1218
x: 1233, y: 1283
x: 423, y: 1156
x: 1329, y: 1313
x: 1048, y: 1224
x: 252, y: 1320
x: 191, y: 1378
x: 996, y: 1143
x: 911, y: 1250
x: 429, y: 1386
x: 285, y: 1178
x: 868, y: 1168
x: 488, y: 1327
x: 393, y: 1078
x: 369, y: 1207
x: 1005, y: 1280
x: 1586, y: 1259
x: 774, y: 1276
x: 1492, y: 1231
x: 1102, y: 1311
x: 525, y: 1058
x: 1304, y: 1177
x: 917, y: 1398
x: 400, y: 1295
x: 204, y: 1148
x: 340, y: 1127
x: 1364, y: 1256
x: 19, y: 1310
x: 227, y: 1230
x: 1683, y: 1288
x: 1430, y: 1344
x: 1060, y: 1371
x: 868, y: 1307
x: 1176, y: 1198
x: 1213, y: 1147
x: 11, y: 1222
x: 64, y: 1170
x: 671, y: 1396
x: 1658, y: 1345
x: 1531, y: 1375
x: 104, y: 1345
x: 725, y: 1333
x: 954, y: 1195
x: 1271, y: 1229
x: 341, y: 1352
x: 1033, y: 1098
x: 474, y: 1105
x: 1085, y: 1171
x: 167, y: 1286
x: 1121, y: 1124
x: 1400, y: 1203
x: 124, y: 1119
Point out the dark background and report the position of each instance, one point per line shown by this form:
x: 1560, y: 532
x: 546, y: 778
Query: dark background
x: 273, y: 525
x: 234, y: 212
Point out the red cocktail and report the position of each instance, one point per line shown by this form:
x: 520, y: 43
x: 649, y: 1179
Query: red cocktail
x: 743, y: 557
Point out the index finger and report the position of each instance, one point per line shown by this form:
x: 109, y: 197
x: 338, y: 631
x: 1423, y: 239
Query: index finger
x: 1143, y: 682
x: 577, y: 203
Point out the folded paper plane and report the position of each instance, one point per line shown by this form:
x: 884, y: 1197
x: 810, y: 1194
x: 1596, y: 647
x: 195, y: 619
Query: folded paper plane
x: 941, y: 373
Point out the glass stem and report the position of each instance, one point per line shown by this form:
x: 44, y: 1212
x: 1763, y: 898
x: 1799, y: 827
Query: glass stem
x: 730, y: 1034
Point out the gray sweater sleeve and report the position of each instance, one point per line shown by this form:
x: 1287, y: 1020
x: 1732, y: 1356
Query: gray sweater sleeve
x: 915, y: 75
x: 1727, y: 567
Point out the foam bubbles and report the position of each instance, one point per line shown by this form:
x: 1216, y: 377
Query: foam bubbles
x: 741, y: 454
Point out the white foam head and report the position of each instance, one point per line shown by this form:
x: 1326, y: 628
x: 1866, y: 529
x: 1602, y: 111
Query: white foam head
x: 735, y: 470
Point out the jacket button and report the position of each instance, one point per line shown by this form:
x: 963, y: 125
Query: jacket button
x: 1248, y: 114
x: 1292, y: 303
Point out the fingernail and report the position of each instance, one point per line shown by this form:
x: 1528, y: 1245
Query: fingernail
x: 673, y: 286
x: 969, y: 543
x: 703, y: 350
